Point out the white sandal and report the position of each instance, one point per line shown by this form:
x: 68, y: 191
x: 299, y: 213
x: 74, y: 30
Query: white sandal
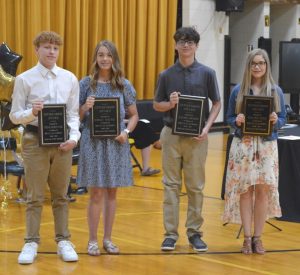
x: 93, y: 249
x: 110, y: 247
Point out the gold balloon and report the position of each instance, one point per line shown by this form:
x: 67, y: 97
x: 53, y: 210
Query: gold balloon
x: 6, y: 85
x: 5, y: 193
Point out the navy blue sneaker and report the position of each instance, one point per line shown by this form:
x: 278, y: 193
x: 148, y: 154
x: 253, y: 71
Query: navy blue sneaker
x: 168, y: 244
x: 197, y: 244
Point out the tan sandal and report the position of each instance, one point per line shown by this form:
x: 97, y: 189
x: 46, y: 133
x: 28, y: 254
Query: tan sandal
x: 93, y: 249
x: 247, y: 246
x: 110, y: 247
x: 257, y: 246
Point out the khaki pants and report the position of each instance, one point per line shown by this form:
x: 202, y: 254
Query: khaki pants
x: 45, y: 165
x: 182, y: 154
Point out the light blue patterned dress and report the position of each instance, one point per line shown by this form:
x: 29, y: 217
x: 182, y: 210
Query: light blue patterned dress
x: 104, y: 162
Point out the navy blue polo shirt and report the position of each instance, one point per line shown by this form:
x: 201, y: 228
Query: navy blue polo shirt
x: 196, y: 80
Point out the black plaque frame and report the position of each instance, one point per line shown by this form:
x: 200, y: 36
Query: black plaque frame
x: 257, y: 110
x: 52, y: 124
x: 105, y: 118
x: 189, y: 116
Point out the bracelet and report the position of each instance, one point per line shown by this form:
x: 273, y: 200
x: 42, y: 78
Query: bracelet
x: 127, y: 131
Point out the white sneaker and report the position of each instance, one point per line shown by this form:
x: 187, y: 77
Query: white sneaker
x: 28, y: 253
x: 65, y: 249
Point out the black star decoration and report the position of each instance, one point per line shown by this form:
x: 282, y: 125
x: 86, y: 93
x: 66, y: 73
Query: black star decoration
x: 9, y: 60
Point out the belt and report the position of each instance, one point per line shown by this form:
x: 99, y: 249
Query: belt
x: 31, y: 128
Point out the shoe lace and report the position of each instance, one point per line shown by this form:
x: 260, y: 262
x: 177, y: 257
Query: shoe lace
x: 169, y: 241
x: 66, y: 246
x: 28, y: 248
x: 196, y: 237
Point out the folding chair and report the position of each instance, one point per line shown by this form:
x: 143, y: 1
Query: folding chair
x: 136, y: 162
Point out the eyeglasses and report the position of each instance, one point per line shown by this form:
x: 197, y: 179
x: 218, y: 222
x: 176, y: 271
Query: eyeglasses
x: 183, y: 42
x: 260, y: 64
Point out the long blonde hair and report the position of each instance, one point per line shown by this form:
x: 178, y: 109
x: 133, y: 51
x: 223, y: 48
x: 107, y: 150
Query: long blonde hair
x: 268, y: 83
x: 117, y: 76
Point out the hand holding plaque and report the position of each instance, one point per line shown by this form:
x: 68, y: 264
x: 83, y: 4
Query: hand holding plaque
x: 52, y: 124
x: 257, y: 110
x: 189, y: 116
x: 105, y: 118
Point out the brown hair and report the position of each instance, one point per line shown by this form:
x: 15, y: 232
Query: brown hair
x: 187, y: 33
x: 47, y: 36
x: 117, y: 79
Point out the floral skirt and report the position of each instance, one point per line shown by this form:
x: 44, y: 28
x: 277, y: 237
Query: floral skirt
x: 251, y: 161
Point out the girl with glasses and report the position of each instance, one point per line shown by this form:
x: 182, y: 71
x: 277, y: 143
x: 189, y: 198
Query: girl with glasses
x: 252, y: 172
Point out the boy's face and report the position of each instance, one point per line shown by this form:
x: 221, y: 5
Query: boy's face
x: 47, y: 54
x: 186, y: 48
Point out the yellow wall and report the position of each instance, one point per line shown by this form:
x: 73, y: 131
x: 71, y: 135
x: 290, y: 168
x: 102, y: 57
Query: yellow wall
x: 141, y: 29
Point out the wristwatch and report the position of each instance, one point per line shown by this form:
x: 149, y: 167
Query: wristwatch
x: 127, y: 131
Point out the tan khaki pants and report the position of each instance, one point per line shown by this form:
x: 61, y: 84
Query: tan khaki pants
x: 45, y: 165
x: 182, y: 156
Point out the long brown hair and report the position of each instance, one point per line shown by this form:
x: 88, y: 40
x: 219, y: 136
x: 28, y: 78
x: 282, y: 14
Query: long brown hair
x: 117, y: 76
x: 268, y: 83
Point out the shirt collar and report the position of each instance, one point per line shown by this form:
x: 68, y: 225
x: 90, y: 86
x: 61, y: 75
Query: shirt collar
x: 190, y: 68
x: 44, y: 71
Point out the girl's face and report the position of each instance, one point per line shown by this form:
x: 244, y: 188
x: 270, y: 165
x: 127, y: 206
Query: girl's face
x: 258, y: 67
x: 104, y: 59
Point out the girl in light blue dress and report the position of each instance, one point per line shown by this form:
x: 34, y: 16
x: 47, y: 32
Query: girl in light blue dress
x: 105, y: 163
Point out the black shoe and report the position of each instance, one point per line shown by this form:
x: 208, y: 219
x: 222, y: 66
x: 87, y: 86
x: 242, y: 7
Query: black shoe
x: 71, y: 199
x: 81, y: 190
x: 168, y: 244
x: 197, y: 244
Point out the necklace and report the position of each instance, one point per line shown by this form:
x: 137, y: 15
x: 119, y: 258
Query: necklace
x: 104, y: 81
